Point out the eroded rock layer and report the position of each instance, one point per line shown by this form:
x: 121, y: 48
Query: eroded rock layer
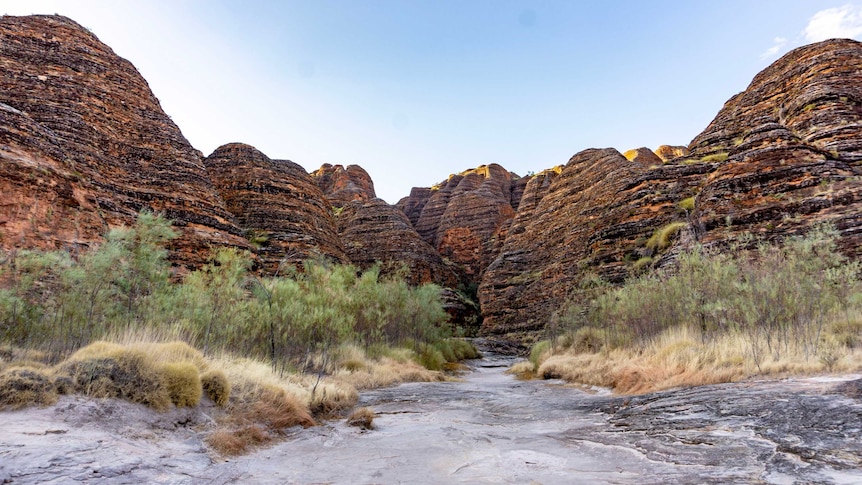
x: 596, y: 214
x: 788, y: 150
x: 465, y: 217
x: 282, y: 211
x: 84, y: 145
x: 779, y: 158
x: 344, y: 185
x: 375, y: 231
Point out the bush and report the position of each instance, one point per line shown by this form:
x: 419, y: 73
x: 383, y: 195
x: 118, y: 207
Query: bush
x: 431, y: 358
x: 23, y: 386
x: 661, y: 237
x: 216, y: 386
x: 538, y: 351
x: 106, y: 371
x: 183, y: 383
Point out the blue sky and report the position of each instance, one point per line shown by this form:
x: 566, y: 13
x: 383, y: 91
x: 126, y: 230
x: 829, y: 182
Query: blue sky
x: 415, y: 90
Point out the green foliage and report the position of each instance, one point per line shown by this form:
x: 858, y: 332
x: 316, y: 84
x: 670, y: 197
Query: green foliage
x: 53, y: 297
x: 781, y: 297
x: 60, y: 302
x: 538, y: 350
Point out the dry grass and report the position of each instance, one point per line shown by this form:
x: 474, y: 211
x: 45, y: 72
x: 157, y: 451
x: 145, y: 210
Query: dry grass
x: 524, y: 370
x: 679, y: 358
x: 22, y: 386
x: 256, y: 403
x: 216, y: 386
x: 362, y: 418
x: 183, y: 383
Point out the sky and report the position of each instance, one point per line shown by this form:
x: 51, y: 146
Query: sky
x: 415, y: 90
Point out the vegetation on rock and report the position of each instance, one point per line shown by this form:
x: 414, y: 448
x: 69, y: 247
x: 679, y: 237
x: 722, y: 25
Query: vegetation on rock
x: 714, y: 317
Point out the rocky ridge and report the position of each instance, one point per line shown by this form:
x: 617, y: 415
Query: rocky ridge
x: 277, y: 203
x: 85, y: 145
x: 779, y: 158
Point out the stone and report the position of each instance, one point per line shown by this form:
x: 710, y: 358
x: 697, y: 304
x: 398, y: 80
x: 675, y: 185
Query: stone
x: 277, y: 203
x: 85, y: 146
x: 344, y: 185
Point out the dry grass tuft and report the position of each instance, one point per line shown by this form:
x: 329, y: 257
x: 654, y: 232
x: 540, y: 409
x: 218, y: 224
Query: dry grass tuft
x: 362, y: 418
x: 238, y: 441
x: 107, y: 370
x: 524, y: 370
x: 216, y: 386
x: 183, y: 382
x: 25, y: 386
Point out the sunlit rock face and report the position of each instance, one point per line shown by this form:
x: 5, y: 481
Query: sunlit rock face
x: 277, y: 203
x: 668, y: 152
x: 84, y: 146
x: 788, y: 150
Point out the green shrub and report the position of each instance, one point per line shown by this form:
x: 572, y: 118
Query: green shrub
x: 538, y: 350
x: 715, y: 157
x: 686, y: 204
x: 431, y: 358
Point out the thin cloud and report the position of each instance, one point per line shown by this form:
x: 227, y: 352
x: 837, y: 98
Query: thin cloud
x: 838, y: 22
x: 778, y: 44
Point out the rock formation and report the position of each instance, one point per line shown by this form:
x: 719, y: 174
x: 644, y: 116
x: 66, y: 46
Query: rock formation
x: 84, y: 146
x: 278, y: 205
x: 375, y: 231
x: 668, y: 152
x: 463, y: 217
x: 788, y: 150
x: 780, y: 157
x: 344, y: 185
x: 594, y: 215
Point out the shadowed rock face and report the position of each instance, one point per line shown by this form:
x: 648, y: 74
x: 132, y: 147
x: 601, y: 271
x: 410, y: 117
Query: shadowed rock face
x: 344, y: 185
x: 277, y: 203
x: 779, y: 158
x: 464, y: 218
x: 84, y: 145
x: 375, y: 231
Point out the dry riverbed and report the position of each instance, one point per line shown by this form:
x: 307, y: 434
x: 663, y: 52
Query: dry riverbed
x: 487, y: 428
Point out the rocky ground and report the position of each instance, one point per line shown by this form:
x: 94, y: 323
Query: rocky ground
x: 487, y: 428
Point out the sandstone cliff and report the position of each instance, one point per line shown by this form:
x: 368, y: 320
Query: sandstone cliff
x: 594, y: 215
x: 788, y: 150
x: 84, y: 145
x: 375, y: 231
x: 465, y: 217
x: 344, y: 185
x: 779, y: 157
x: 278, y: 205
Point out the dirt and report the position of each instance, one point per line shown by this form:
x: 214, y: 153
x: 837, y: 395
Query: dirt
x: 486, y: 428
